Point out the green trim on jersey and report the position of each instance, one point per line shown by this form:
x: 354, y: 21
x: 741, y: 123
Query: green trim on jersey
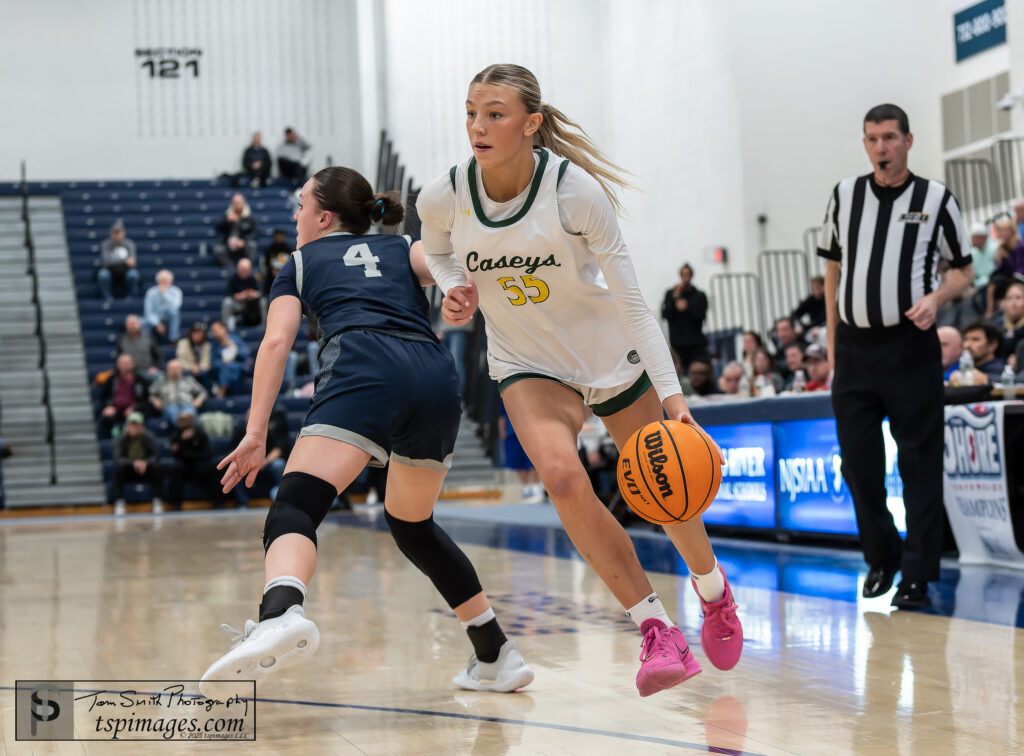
x: 516, y: 377
x: 623, y: 400
x: 538, y: 175
x: 561, y: 172
x: 452, y: 174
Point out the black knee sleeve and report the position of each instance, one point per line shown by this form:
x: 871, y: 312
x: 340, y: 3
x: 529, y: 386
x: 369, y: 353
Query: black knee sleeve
x: 301, y: 504
x: 427, y: 546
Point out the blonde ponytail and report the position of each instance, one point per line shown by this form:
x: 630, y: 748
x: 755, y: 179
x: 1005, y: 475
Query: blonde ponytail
x: 557, y: 132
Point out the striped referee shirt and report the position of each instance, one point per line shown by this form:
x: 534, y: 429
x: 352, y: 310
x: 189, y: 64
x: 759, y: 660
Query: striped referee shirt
x: 888, y: 241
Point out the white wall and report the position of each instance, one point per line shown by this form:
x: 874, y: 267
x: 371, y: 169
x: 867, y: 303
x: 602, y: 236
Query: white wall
x: 806, y: 74
x: 76, y: 102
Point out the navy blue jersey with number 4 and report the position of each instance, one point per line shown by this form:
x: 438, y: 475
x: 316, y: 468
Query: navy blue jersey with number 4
x: 346, y: 281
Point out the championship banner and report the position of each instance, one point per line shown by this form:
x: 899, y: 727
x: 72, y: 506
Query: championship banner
x: 974, y: 481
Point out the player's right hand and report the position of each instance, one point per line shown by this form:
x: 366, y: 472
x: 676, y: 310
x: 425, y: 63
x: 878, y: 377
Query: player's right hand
x: 460, y: 304
x: 244, y: 463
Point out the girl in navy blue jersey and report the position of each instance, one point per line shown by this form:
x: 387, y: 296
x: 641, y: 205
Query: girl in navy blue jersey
x: 386, y: 391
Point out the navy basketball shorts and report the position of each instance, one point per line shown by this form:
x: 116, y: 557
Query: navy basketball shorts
x: 391, y: 397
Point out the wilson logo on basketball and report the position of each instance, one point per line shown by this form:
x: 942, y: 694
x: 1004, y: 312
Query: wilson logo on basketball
x: 669, y: 472
x: 657, y: 458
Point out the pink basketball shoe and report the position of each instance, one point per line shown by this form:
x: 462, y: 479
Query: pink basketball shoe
x: 665, y: 659
x: 721, y: 636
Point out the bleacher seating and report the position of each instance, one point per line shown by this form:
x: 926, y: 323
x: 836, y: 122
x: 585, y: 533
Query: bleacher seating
x: 172, y: 224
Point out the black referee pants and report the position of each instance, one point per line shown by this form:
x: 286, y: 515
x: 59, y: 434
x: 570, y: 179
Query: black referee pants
x: 894, y: 372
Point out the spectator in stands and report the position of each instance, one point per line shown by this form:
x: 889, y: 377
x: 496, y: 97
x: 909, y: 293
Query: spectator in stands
x: 175, y: 393
x: 256, y: 162
x: 984, y: 341
x: 118, y: 264
x: 122, y: 394
x: 277, y: 253
x: 162, y: 308
x: 751, y: 343
x: 700, y: 381
x: 195, y: 354
x: 278, y: 448
x: 1010, y: 318
x: 732, y: 379
x: 229, y: 356
x: 785, y: 334
x: 811, y: 312
x: 239, y: 233
x: 684, y: 309
x: 193, y: 462
x: 819, y: 376
x: 142, y: 348
x: 983, y: 254
x: 1009, y: 262
x: 291, y: 162
x: 243, y: 298
x: 1018, y: 215
x: 793, y: 357
x: 952, y: 344
x: 767, y: 381
x: 135, y: 458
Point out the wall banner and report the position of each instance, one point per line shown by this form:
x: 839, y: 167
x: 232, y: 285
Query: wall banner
x: 976, y: 494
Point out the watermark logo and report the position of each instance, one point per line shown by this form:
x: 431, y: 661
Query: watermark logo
x: 134, y: 710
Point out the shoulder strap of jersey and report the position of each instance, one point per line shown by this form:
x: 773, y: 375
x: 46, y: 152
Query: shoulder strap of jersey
x: 561, y: 172
x: 451, y: 173
x: 297, y: 257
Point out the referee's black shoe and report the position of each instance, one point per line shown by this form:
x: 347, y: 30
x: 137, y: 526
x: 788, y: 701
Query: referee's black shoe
x: 912, y: 596
x: 878, y: 581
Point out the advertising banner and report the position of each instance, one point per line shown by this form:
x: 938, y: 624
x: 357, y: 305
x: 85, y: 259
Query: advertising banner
x: 747, y: 494
x: 813, y: 496
x: 976, y: 494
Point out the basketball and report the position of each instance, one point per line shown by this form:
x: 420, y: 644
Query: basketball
x: 669, y: 472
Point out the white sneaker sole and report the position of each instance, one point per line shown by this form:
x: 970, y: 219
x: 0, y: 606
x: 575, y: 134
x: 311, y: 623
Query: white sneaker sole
x: 506, y: 682
x: 257, y: 661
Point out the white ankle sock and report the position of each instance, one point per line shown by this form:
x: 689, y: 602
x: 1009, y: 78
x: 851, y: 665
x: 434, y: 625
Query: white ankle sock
x: 647, y: 608
x: 286, y: 580
x: 481, y: 619
x: 710, y: 587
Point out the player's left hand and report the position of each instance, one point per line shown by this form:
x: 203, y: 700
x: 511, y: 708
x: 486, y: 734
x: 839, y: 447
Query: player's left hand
x: 244, y: 463
x: 676, y: 409
x: 922, y: 314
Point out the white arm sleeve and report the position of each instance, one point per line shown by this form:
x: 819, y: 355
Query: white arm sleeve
x: 436, y: 208
x: 585, y: 210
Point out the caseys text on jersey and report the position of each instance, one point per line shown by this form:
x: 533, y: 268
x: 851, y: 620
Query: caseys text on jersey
x: 529, y: 264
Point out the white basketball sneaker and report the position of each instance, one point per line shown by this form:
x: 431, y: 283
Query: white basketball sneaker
x: 265, y: 647
x: 507, y: 673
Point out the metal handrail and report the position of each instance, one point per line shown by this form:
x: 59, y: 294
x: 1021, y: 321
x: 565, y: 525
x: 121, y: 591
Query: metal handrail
x: 39, y: 332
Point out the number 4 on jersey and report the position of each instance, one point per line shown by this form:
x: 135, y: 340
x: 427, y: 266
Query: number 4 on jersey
x: 360, y: 254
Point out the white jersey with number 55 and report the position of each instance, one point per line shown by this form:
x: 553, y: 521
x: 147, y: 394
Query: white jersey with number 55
x: 556, y: 282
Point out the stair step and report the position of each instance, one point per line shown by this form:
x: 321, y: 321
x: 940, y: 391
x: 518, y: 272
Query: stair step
x: 61, y: 494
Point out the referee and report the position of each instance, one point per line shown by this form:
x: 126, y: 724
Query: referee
x: 883, y: 236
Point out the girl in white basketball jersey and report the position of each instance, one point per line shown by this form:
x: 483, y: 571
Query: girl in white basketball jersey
x: 530, y: 219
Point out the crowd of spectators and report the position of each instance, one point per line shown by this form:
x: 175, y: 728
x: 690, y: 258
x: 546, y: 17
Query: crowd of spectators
x: 983, y: 331
x: 152, y: 399
x: 292, y: 160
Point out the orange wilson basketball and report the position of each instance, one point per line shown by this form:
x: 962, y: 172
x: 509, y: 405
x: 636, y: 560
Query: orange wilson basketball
x: 669, y: 472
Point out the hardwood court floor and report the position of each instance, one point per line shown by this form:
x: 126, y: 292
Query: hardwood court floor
x: 142, y: 598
